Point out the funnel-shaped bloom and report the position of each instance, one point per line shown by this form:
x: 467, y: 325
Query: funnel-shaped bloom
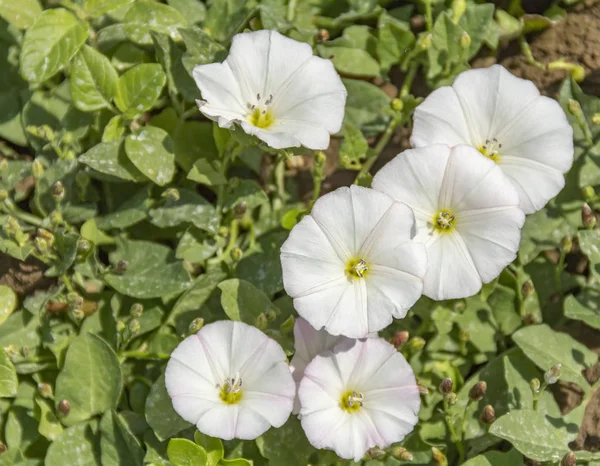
x: 276, y: 89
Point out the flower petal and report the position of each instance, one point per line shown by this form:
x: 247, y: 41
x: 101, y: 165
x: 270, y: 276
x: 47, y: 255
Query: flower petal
x: 219, y: 86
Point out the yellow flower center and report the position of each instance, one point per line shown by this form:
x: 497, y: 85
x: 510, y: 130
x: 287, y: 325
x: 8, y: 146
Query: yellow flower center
x: 351, y: 401
x: 230, y: 391
x: 357, y: 268
x: 261, y: 118
x: 491, y: 149
x: 444, y: 221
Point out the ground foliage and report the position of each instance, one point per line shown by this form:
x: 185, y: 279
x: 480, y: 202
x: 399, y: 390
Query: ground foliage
x: 161, y: 218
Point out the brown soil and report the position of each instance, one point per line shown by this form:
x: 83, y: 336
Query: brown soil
x: 23, y: 277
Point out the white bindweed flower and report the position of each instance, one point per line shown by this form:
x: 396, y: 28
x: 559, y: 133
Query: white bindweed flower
x: 274, y: 88
x: 508, y: 121
x: 231, y: 381
x: 466, y: 213
x: 361, y: 394
x: 351, y: 264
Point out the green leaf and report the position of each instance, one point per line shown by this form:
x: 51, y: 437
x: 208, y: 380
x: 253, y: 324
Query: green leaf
x: 110, y: 158
x: 77, y: 443
x: 546, y: 348
x: 48, y: 426
x: 287, y: 446
x: 478, y: 22
x: 93, y: 80
x: 192, y: 10
x: 22, y: 13
x: 496, y: 458
x: 205, y: 172
x: 201, y: 48
x: 139, y: 88
x: 242, y: 301
x: 584, y: 307
x: 183, y: 452
x: 152, y: 271
x: 212, y: 446
x: 589, y: 241
x: 351, y: 61
x: 247, y: 191
x: 145, y: 16
x: 354, y: 146
x: 97, y: 8
x: 118, y: 444
x: 189, y: 208
x: 90, y: 380
x: 367, y: 106
x: 66, y: 246
x: 8, y: 377
x: 395, y: 39
x: 531, y: 433
x: 160, y: 415
x: 8, y: 302
x: 151, y: 151
x: 445, y: 46
x: 195, y: 246
x: 50, y: 43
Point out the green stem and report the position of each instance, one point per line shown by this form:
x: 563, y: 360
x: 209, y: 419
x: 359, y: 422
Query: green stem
x: 408, y: 80
x: 10, y: 208
x: 463, y: 428
x: 536, y: 396
x: 457, y: 440
x: 376, y: 152
x: 144, y: 356
x: 67, y: 282
x: 558, y: 272
x: 279, y: 178
x: 428, y: 15
x: 234, y: 231
x: 291, y: 10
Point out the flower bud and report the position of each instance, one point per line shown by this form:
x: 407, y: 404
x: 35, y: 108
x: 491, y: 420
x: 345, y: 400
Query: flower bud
x: 67, y: 138
x: 451, y: 398
x: 488, y: 414
x: 223, y: 231
x: 25, y: 351
x: 458, y: 9
x: 375, y: 453
x: 322, y: 35
x: 83, y: 247
x: 3, y: 195
x: 271, y: 315
x: 569, y: 459
x: 236, y: 254
x: 134, y: 326
x: 11, y: 351
x: 37, y: 169
x: 3, y: 165
x: 588, y: 218
x: 171, y: 194
x: 64, y: 408
x: 588, y: 193
x: 400, y: 338
x: 566, y: 244
x: 534, y: 385
x: 3, y: 447
x: 240, y: 209
x: 552, y: 376
x: 574, y: 107
x: 596, y: 119
x: 578, y: 73
x: 58, y: 191
x: 402, y: 454
x: 529, y: 318
x: 424, y: 41
x: 45, y: 234
x: 56, y: 218
x: 423, y: 390
x: 459, y: 306
x: 438, y: 457
x: 478, y: 391
x: 465, y: 40
x: 195, y: 325
x: 320, y: 157
x: 527, y: 289
x: 446, y: 385
x: 120, y: 326
x: 464, y: 335
x: 45, y: 390
x: 121, y: 266
x: 77, y: 313
x: 261, y: 322
x: 397, y: 105
x: 136, y: 310
x: 416, y: 343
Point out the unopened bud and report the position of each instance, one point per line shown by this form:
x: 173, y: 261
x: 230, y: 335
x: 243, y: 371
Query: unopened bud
x: 271, y: 316
x: 121, y: 266
x: 240, y: 209
x: 424, y: 41
x: 134, y: 326
x: 552, y: 376
x: 569, y: 459
x: 438, y: 457
x: 416, y: 343
x: 171, y: 194
x: 83, y: 247
x: 588, y: 218
x: 596, y: 119
x: 45, y: 390
x: 451, y: 398
x: 402, y: 454
x: 25, y: 351
x: 3, y: 165
x: 3, y: 195
x: 574, y: 107
x: 77, y: 313
x: 56, y: 218
x: 195, y: 325
x: 566, y: 244
x: 589, y: 193
x: 464, y: 335
x: 261, y: 322
x: 458, y: 9
x: 58, y: 191
x: 67, y: 138
x: 64, y: 408
x: 375, y: 453
x: 535, y: 385
x: 465, y: 40
x: 320, y: 157
x: 136, y: 310
x: 397, y: 105
x: 322, y: 35
x: 37, y: 169
x: 45, y: 234
x: 236, y: 254
x: 578, y: 73
x: 223, y: 231
x: 459, y: 306
x: 423, y: 390
x: 527, y: 289
x: 478, y: 391
x: 41, y: 245
x: 11, y: 351
x: 529, y: 318
x: 3, y: 447
x: 400, y: 338
x: 488, y: 414
x: 446, y: 385
x: 120, y: 326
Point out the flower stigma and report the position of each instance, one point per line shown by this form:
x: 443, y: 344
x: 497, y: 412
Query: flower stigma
x: 351, y: 401
x: 357, y: 268
x: 260, y: 114
x: 444, y: 221
x: 491, y: 149
x: 231, y: 390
